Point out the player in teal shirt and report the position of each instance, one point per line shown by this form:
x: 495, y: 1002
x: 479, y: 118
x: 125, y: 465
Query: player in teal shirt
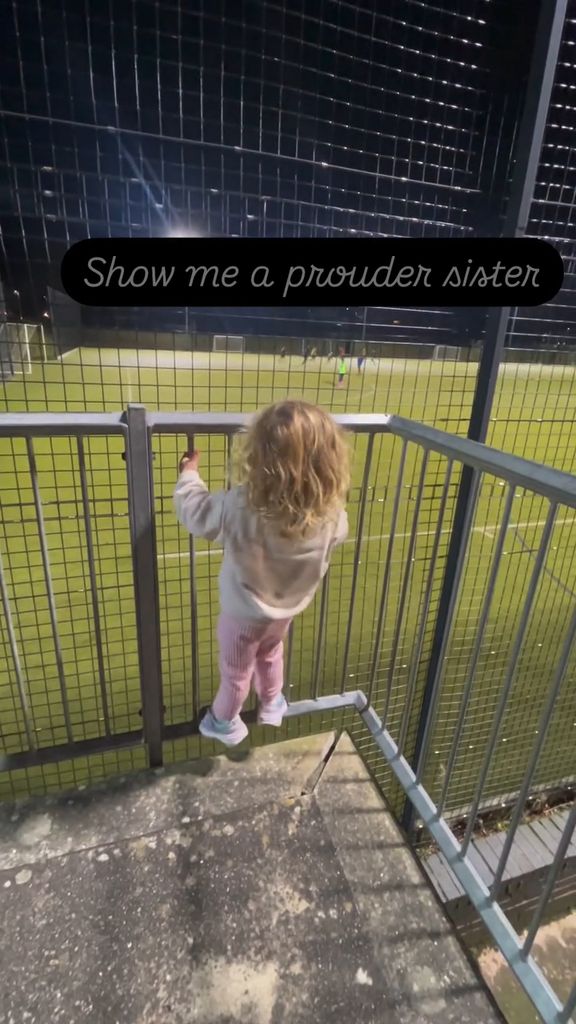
x: 342, y: 368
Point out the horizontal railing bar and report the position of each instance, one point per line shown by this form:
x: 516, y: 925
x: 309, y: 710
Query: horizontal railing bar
x: 231, y: 422
x: 61, y: 424
x: 525, y: 968
x: 177, y: 730
x: 68, y: 751
x: 341, y: 701
x: 552, y: 483
x: 335, y: 702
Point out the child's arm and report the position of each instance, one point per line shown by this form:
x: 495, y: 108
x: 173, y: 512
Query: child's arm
x: 199, y: 511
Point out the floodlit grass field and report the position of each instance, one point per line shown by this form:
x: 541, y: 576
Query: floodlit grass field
x: 534, y: 416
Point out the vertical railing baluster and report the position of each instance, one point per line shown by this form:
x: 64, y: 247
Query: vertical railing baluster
x: 405, y: 584
x: 320, y: 636
x: 93, y: 584
x: 288, y: 663
x: 357, y: 549
x: 387, y: 573
x: 18, y: 672
x: 49, y: 588
x: 194, y: 615
x: 229, y: 467
x: 146, y: 591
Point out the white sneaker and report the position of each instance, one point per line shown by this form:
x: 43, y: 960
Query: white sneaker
x: 229, y: 733
x: 273, y: 713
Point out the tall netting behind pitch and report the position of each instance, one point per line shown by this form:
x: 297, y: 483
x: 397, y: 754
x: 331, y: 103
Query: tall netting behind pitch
x: 150, y: 119
x: 535, y: 409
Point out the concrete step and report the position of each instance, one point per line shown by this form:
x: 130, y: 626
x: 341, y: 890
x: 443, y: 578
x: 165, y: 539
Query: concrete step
x: 268, y: 890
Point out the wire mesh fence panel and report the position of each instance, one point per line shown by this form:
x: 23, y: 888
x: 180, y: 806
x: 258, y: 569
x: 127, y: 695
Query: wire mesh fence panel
x: 343, y: 123
x: 175, y: 565
x: 407, y: 543
x: 69, y: 669
x: 481, y: 660
x: 535, y: 411
x: 106, y: 379
x: 308, y: 646
x: 379, y: 596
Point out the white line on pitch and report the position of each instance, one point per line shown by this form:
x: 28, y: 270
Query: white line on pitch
x: 489, y: 530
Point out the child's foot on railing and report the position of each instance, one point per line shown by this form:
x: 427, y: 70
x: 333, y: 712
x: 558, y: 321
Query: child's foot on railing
x: 230, y: 733
x: 273, y: 712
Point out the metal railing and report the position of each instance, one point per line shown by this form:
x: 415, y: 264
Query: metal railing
x: 368, y: 636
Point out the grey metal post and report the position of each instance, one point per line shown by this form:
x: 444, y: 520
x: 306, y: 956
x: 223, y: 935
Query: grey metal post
x: 527, y: 156
x: 141, y: 505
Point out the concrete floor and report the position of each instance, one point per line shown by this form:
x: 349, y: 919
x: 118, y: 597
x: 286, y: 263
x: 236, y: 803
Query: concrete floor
x: 270, y: 890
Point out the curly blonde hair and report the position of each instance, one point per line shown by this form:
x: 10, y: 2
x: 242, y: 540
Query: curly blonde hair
x: 295, y: 463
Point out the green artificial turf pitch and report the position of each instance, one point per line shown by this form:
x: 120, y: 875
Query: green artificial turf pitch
x: 533, y: 416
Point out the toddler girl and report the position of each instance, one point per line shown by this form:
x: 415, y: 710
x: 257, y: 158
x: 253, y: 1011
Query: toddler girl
x: 278, y: 528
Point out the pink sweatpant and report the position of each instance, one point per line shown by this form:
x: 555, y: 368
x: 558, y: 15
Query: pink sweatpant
x: 248, y: 649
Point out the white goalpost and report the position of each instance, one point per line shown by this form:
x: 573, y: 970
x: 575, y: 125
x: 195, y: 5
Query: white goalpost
x: 446, y: 353
x: 20, y: 346
x: 228, y: 343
